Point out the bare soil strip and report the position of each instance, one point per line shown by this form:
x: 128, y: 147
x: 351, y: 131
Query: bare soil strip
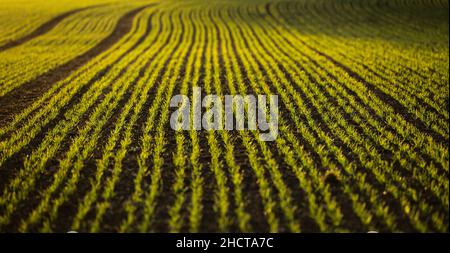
x: 21, y: 97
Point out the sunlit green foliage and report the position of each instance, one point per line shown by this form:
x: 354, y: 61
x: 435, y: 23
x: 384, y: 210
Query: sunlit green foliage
x: 363, y: 128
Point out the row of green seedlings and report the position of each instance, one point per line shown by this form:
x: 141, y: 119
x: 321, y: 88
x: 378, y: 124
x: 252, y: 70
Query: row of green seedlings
x: 113, y: 153
x: 221, y: 201
x: 37, y: 13
x: 404, y: 58
x: 315, y: 210
x: 81, y: 32
x: 81, y: 147
x: 153, y: 139
x: 34, y: 165
x: 180, y: 159
x: 434, y: 175
x: 426, y: 116
x: 433, y: 172
x: 119, y: 155
x: 236, y: 175
x: 284, y: 194
x: 401, y: 82
x: 25, y: 125
x: 311, y: 121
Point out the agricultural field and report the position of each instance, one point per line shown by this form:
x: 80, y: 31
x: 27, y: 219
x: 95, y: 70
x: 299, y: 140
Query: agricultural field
x: 363, y: 121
